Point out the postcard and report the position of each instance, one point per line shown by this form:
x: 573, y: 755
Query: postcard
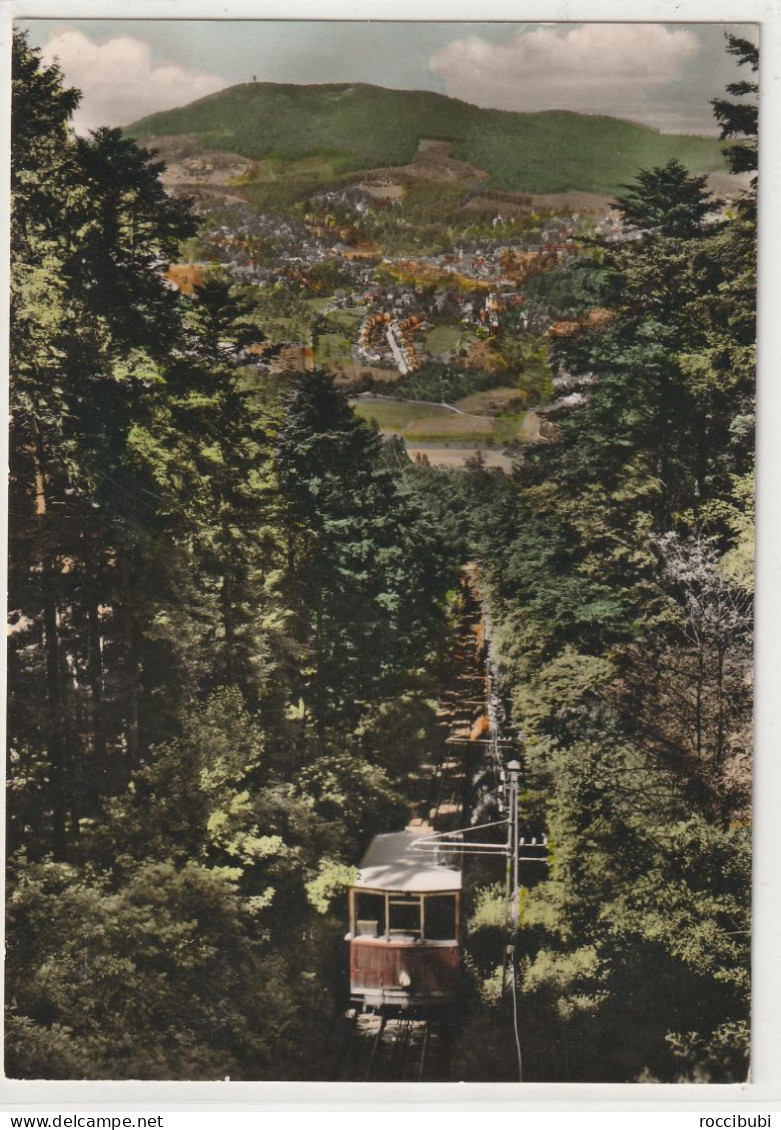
x: 381, y: 550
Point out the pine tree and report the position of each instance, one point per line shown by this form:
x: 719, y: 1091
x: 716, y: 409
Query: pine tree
x: 363, y: 575
x: 92, y: 321
x: 667, y: 202
x: 740, y: 119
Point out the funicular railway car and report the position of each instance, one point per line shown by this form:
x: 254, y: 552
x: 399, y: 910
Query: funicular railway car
x: 404, y: 924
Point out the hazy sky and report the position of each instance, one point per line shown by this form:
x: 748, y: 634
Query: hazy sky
x: 660, y: 74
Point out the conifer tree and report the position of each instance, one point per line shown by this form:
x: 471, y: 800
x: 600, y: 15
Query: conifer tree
x: 740, y: 119
x: 92, y: 321
x: 361, y: 571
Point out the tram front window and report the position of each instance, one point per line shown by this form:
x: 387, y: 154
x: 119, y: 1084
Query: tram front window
x: 440, y: 918
x: 405, y: 916
x: 370, y: 915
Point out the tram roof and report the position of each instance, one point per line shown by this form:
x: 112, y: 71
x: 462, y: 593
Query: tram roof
x: 391, y: 863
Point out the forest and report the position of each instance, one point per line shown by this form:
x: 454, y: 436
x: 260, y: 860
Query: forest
x: 231, y: 605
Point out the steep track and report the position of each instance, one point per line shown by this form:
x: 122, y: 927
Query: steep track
x: 459, y: 784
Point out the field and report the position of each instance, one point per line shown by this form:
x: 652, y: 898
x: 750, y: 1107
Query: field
x: 333, y: 351
x: 418, y: 422
x: 490, y: 402
x: 318, y: 305
x: 443, y: 340
x: 348, y: 319
x: 396, y: 415
x: 279, y: 182
x: 454, y: 426
x: 511, y: 429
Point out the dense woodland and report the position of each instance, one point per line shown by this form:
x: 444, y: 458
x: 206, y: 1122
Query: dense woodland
x: 230, y: 606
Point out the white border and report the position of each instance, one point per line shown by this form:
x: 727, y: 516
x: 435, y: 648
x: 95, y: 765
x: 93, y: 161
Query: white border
x: 764, y: 1090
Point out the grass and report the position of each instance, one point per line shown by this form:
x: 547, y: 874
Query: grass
x: 509, y: 429
x: 491, y: 402
x: 443, y: 339
x: 394, y: 417
x: 425, y: 423
x: 280, y: 182
x: 333, y: 350
x: 347, y: 319
x: 462, y: 429
x: 284, y: 329
x: 453, y: 427
x: 317, y: 305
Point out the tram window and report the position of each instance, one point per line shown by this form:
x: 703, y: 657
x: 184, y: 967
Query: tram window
x: 440, y: 918
x: 404, y: 916
x: 370, y: 915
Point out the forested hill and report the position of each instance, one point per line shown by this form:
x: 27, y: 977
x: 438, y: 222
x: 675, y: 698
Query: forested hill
x: 363, y: 127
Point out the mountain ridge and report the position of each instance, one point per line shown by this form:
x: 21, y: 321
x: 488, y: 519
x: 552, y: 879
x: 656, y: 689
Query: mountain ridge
x: 360, y: 126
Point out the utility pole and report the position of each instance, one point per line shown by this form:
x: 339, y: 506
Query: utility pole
x: 511, y: 850
x: 513, y: 843
x: 513, y: 769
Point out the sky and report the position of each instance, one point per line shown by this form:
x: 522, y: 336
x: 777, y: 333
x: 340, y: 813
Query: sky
x: 662, y: 75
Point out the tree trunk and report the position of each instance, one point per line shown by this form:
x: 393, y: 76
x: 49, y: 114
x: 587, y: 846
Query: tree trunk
x: 94, y: 651
x: 319, y: 689
x: 56, y: 749
x: 698, y: 706
x: 720, y: 719
x: 133, y: 661
x: 227, y: 609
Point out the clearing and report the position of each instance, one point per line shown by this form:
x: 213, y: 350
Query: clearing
x: 443, y: 340
x: 491, y: 401
x: 397, y: 415
x: 418, y: 421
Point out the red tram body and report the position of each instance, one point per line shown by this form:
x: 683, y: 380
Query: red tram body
x: 404, y: 925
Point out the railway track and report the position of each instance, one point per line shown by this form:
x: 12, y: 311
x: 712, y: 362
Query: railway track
x: 462, y: 716
x: 459, y: 784
x: 388, y: 1049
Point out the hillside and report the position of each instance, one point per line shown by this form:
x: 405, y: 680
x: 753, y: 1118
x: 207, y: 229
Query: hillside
x: 352, y: 127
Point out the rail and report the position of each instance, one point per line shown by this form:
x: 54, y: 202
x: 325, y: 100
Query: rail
x: 387, y: 1049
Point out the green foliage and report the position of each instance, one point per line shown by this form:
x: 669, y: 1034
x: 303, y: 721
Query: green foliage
x: 738, y: 514
x: 444, y: 383
x: 739, y: 119
x: 228, y: 597
x: 721, y: 1055
x: 327, y: 276
x: 158, y: 979
x: 490, y: 910
x: 331, y: 881
x: 617, y: 571
x: 667, y: 201
x: 351, y: 797
x: 575, y: 980
x: 568, y: 292
x: 174, y: 558
x: 527, y: 355
x: 189, y: 800
x: 559, y: 688
x: 360, y: 566
x: 92, y: 323
x: 281, y: 312
x: 641, y: 910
